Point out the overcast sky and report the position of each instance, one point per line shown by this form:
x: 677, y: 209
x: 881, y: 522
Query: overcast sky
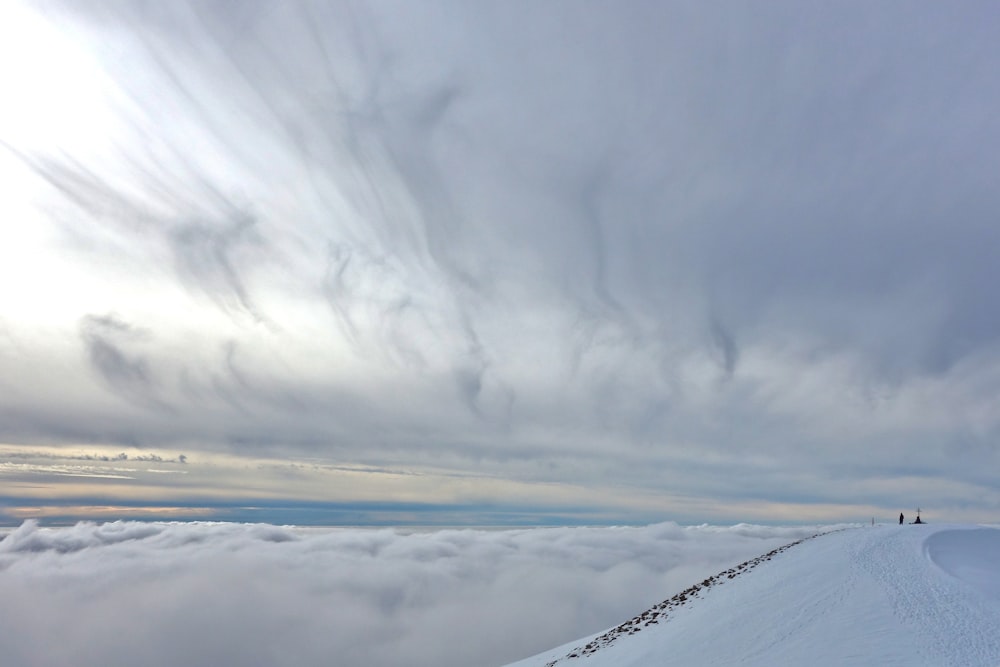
x: 499, y: 262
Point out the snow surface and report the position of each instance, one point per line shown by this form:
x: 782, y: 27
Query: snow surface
x: 883, y: 595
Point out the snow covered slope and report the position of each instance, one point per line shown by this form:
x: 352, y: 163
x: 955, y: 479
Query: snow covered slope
x: 885, y: 595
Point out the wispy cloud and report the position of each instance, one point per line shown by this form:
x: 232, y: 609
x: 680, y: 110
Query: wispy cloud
x: 665, y: 252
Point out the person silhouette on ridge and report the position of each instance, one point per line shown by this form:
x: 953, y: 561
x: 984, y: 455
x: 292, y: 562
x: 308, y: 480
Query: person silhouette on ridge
x: 900, y: 518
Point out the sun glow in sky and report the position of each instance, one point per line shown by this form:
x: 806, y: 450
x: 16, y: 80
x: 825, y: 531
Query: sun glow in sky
x: 616, y: 263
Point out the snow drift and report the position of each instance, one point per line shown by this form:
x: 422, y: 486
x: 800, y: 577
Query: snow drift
x: 904, y: 595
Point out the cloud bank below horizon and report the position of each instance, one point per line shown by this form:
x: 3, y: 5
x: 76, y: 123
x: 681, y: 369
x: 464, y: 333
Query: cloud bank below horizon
x: 166, y: 594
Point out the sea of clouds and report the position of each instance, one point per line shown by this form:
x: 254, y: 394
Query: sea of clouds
x: 130, y: 593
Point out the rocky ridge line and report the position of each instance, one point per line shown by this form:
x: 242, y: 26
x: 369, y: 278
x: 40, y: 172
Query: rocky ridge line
x: 659, y: 613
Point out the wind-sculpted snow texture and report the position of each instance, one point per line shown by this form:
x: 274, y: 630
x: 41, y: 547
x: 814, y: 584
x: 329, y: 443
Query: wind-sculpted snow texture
x: 886, y: 595
x: 661, y: 612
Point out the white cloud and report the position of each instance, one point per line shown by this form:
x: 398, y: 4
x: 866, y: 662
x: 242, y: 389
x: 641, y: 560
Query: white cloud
x: 101, y: 595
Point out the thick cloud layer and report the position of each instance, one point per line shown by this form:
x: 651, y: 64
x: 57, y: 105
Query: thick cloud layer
x: 200, y: 594
x: 715, y: 255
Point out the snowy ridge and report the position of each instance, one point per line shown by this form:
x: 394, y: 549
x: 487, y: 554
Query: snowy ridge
x: 885, y: 595
x: 660, y: 612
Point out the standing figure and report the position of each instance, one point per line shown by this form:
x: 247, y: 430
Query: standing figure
x: 900, y: 518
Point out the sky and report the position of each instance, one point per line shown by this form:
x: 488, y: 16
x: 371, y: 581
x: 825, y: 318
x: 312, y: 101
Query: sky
x: 194, y: 593
x: 499, y: 263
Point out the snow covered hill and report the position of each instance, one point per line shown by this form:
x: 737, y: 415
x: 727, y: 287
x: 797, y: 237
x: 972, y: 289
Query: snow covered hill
x: 884, y: 595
